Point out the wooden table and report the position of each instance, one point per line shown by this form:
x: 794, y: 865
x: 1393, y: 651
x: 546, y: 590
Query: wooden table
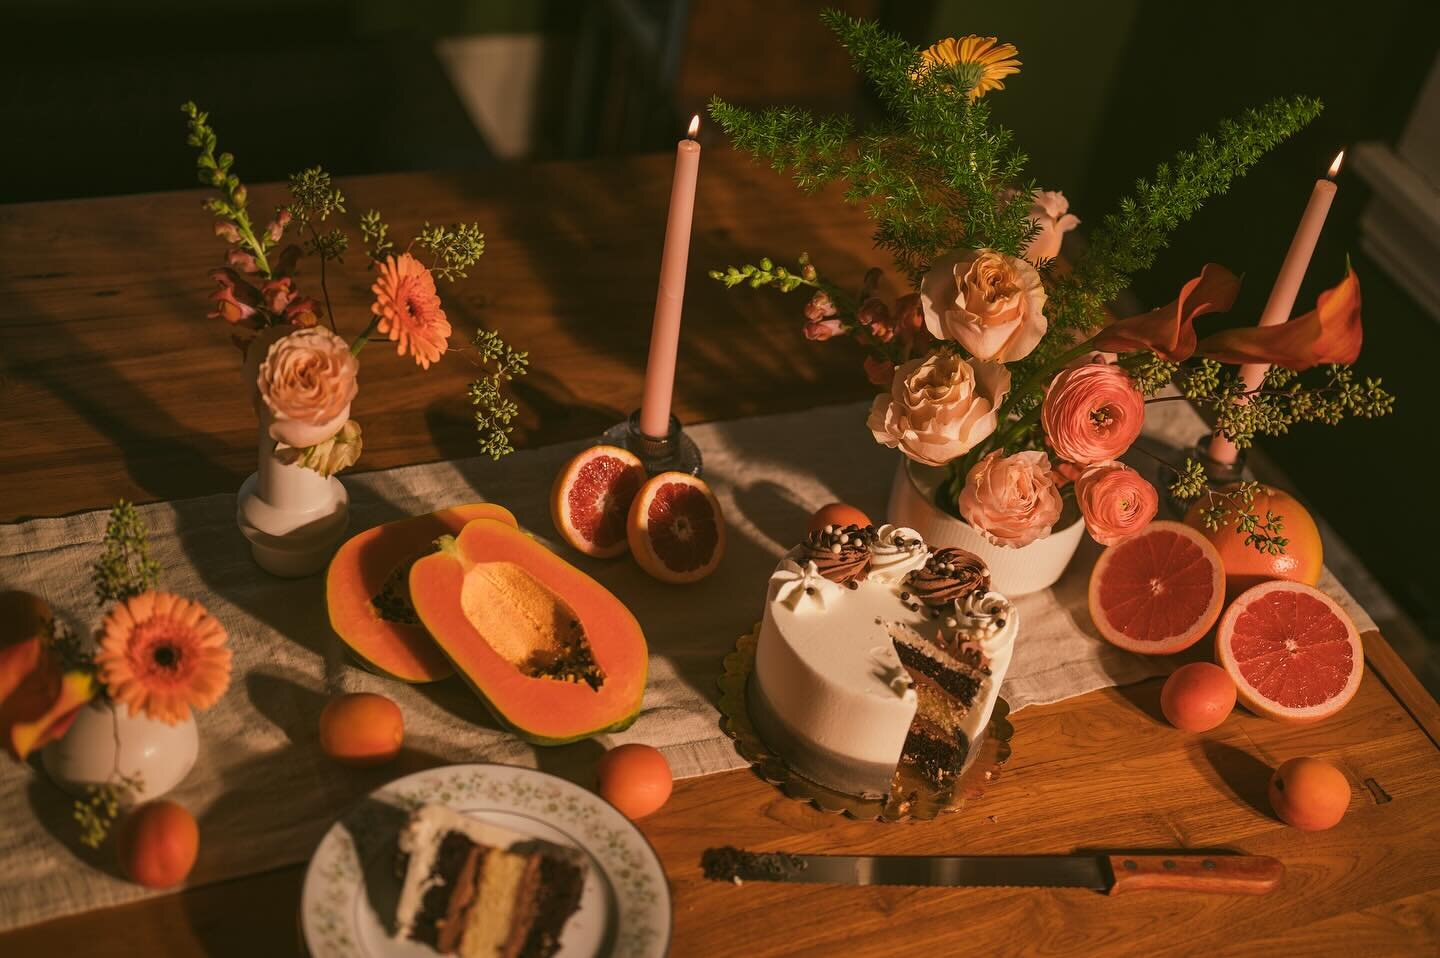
x: 115, y: 384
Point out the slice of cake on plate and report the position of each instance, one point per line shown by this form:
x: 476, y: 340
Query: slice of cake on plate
x: 873, y: 650
x: 481, y: 891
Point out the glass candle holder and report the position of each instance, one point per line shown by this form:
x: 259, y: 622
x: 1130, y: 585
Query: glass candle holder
x: 673, y: 452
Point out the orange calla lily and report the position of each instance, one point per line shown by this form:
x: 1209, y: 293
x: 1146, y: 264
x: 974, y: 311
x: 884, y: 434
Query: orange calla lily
x: 1169, y: 331
x: 38, y: 699
x: 1329, y: 333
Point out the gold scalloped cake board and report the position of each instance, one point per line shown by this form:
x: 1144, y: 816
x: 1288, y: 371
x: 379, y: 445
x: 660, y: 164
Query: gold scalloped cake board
x: 912, y: 796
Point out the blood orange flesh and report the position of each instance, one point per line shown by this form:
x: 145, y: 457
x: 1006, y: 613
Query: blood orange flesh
x: 1158, y: 591
x: 676, y: 530
x: 1294, y: 654
x: 592, y: 497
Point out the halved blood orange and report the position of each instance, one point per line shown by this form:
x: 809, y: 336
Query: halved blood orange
x: 591, y: 498
x: 1294, y: 654
x: 1158, y: 591
x: 676, y: 529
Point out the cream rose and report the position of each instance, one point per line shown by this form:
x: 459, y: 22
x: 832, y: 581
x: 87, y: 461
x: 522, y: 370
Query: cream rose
x: 990, y: 303
x: 306, y: 382
x: 1011, y: 501
x: 939, y: 407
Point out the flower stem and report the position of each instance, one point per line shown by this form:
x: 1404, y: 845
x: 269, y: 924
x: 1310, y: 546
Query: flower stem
x: 324, y: 290
x: 364, y: 337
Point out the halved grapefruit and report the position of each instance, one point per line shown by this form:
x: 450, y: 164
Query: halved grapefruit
x: 1158, y: 591
x: 676, y: 529
x: 591, y: 498
x: 1294, y: 654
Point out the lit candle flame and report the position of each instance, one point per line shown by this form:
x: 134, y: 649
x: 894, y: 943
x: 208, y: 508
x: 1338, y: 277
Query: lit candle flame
x: 695, y: 128
x: 1334, y: 166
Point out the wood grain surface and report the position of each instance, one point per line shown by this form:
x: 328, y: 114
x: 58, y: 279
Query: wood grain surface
x: 115, y: 384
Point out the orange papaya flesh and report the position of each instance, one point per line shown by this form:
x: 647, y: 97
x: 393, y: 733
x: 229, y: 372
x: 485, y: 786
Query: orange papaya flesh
x: 552, y: 653
x: 367, y: 591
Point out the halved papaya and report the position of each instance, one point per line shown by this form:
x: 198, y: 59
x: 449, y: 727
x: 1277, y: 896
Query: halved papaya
x: 367, y: 591
x: 554, y: 654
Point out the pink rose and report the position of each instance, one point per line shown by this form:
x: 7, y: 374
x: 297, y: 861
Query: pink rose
x: 1011, y: 501
x: 990, y: 303
x: 307, y: 381
x: 1116, y: 501
x: 939, y: 407
x: 1051, y: 213
x: 822, y: 330
x: 1092, y: 413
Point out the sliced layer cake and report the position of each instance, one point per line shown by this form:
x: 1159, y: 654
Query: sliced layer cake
x: 480, y: 891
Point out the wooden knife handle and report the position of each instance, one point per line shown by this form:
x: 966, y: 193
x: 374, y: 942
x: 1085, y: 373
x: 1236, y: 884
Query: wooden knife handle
x: 1212, y: 874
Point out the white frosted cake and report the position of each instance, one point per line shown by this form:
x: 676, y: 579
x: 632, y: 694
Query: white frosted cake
x: 875, y: 651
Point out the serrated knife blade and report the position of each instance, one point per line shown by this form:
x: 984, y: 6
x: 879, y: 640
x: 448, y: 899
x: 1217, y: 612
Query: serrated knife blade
x: 1221, y: 874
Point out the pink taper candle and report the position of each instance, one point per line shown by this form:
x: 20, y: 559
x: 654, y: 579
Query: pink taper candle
x: 665, y: 331
x: 1282, y: 295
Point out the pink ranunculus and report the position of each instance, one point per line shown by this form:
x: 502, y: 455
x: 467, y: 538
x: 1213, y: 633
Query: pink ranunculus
x: 1051, y: 211
x: 820, y: 307
x: 307, y: 381
x: 1115, y: 500
x: 879, y: 371
x: 821, y: 330
x: 1092, y: 413
x: 1011, y: 500
x: 235, y: 299
x: 990, y: 303
x: 939, y: 407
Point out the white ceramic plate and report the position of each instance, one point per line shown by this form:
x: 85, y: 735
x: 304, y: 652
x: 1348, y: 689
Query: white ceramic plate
x: 347, y: 907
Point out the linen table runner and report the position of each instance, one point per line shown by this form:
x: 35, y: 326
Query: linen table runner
x: 263, y: 792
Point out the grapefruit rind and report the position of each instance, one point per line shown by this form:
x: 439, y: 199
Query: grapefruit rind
x: 1261, y: 704
x: 1170, y: 643
x: 640, y: 534
x: 560, y: 511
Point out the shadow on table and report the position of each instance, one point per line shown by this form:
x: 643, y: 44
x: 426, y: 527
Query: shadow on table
x: 54, y: 809
x: 1237, y: 772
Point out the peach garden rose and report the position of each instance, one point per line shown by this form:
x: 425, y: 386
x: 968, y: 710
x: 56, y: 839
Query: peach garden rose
x: 1011, y: 500
x: 1115, y: 500
x: 990, y: 303
x: 307, y: 381
x: 1092, y: 413
x: 939, y: 407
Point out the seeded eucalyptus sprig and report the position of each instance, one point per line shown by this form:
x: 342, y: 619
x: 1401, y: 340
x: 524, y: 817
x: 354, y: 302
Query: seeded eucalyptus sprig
x: 454, y: 248
x: 124, y: 567
x: 495, y: 412
x: 97, y: 811
x: 376, y: 234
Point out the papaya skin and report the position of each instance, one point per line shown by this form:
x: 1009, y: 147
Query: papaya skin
x: 540, y: 710
x: 365, y: 564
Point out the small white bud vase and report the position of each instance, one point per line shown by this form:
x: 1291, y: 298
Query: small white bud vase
x: 293, y: 517
x: 106, y: 742
x: 1014, y: 572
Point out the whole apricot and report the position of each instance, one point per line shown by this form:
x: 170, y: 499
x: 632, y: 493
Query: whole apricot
x: 1309, y: 793
x: 1198, y: 696
x: 635, y: 779
x: 361, y: 728
x: 157, y: 843
x: 836, y: 514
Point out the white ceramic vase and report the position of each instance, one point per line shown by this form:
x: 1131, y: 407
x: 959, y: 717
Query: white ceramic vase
x: 293, y: 517
x: 1014, y: 572
x: 106, y: 741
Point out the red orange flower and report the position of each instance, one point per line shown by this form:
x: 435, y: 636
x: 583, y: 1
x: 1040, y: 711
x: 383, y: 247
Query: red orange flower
x: 1329, y: 333
x: 38, y: 698
x: 1169, y: 331
x: 409, y: 309
x: 162, y: 655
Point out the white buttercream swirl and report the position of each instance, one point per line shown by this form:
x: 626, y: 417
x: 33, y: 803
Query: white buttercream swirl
x: 985, y: 616
x: 802, y: 588
x: 892, y: 562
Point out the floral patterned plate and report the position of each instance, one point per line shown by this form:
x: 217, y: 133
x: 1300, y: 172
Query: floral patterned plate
x: 347, y: 907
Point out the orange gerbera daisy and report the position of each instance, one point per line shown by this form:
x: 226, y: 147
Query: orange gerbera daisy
x: 163, y: 655
x: 409, y: 309
x: 980, y: 63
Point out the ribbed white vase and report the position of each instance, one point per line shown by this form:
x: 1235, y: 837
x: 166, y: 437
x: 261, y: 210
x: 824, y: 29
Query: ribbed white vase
x: 106, y: 742
x: 1014, y: 572
x: 293, y: 517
